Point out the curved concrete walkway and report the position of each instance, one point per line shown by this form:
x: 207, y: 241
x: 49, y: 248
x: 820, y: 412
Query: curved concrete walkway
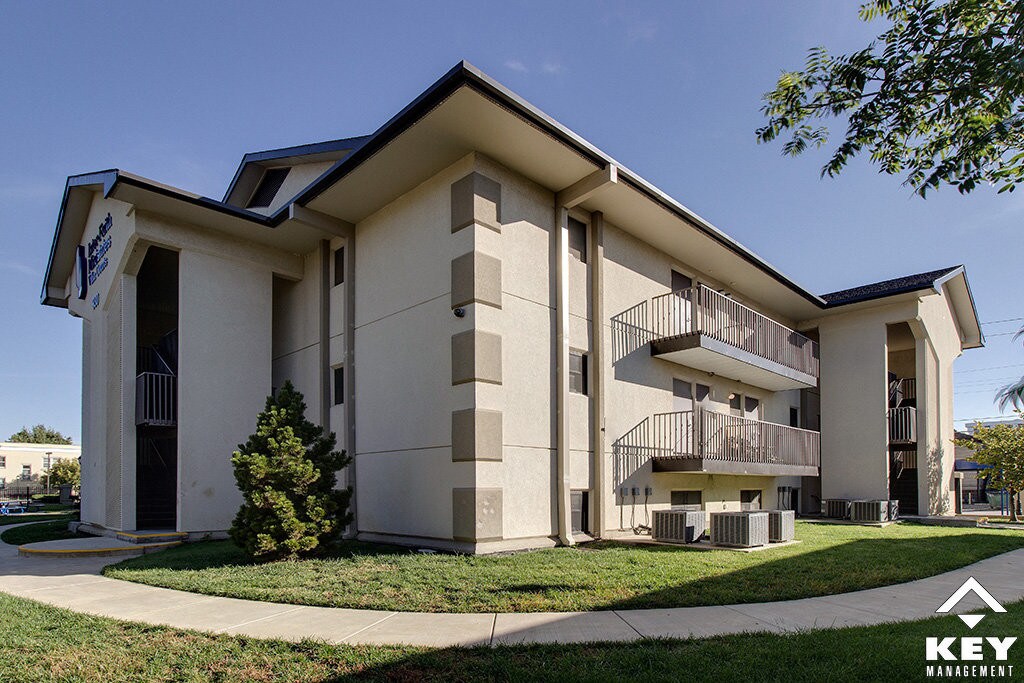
x: 75, y: 584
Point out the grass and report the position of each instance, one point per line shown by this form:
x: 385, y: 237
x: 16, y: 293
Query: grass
x: 43, y: 643
x: 830, y: 559
x: 33, y: 533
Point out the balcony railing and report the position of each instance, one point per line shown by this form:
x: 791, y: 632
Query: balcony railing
x: 903, y: 426
x: 702, y: 310
x: 902, y: 392
x: 702, y: 440
x: 156, y: 399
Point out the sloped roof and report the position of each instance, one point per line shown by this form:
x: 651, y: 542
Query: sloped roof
x: 897, y: 285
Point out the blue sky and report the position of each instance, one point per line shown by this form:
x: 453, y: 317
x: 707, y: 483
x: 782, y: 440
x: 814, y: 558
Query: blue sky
x: 179, y: 91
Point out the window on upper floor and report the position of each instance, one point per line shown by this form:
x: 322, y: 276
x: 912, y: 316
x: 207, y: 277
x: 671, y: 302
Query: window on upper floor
x: 578, y: 240
x: 578, y: 372
x: 339, y: 266
x: 680, y: 281
x: 270, y: 183
x: 3, y: 461
x: 339, y: 386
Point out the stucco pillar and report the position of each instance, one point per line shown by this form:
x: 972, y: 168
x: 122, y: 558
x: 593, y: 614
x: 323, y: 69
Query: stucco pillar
x: 854, y: 428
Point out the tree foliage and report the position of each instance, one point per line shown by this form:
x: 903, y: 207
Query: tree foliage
x: 286, y: 473
x: 1000, y: 446
x: 65, y: 471
x: 937, y: 98
x: 1013, y: 393
x: 39, y: 434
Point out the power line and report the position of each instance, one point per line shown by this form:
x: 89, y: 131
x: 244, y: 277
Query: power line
x: 991, y: 367
x: 1005, y: 320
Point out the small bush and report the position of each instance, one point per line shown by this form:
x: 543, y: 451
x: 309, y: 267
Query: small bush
x: 286, y: 473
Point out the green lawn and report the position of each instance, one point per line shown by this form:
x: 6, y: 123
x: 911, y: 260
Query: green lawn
x: 830, y: 559
x: 34, y: 533
x: 43, y: 643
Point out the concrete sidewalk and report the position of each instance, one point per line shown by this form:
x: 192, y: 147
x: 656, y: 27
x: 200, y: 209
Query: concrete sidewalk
x: 75, y: 584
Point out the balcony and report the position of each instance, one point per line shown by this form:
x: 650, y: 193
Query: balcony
x: 703, y: 329
x: 903, y: 392
x: 903, y: 426
x: 156, y: 399
x: 702, y: 440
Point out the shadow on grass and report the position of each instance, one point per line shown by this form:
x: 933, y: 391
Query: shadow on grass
x: 642, y: 577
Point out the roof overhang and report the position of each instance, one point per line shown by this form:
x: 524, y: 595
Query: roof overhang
x: 171, y: 202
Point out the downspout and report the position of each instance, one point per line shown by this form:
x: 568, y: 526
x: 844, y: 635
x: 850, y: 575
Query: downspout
x: 350, y: 369
x: 562, y: 373
x: 597, y: 369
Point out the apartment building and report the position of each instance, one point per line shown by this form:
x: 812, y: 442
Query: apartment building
x: 25, y: 464
x: 522, y: 342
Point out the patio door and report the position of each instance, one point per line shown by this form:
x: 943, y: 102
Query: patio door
x: 682, y: 304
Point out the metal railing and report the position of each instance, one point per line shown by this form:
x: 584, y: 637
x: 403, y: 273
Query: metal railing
x: 901, y: 390
x: 701, y: 309
x: 903, y: 425
x: 709, y: 435
x: 156, y: 399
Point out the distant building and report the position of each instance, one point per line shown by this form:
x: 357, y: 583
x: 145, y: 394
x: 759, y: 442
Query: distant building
x: 23, y: 464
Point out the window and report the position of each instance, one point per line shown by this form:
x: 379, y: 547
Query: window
x: 339, y: 386
x: 702, y: 394
x: 270, y: 183
x: 686, y: 500
x: 339, y: 265
x: 578, y: 372
x: 751, y: 405
x: 750, y: 500
x: 46, y: 462
x: 680, y: 281
x: 3, y: 482
x: 794, y: 417
x: 3, y: 461
x: 579, y: 504
x: 26, y: 471
x: 735, y: 404
x: 578, y: 239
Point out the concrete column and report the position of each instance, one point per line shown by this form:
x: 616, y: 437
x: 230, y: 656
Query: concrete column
x: 562, y: 477
x: 600, y: 485
x: 129, y: 342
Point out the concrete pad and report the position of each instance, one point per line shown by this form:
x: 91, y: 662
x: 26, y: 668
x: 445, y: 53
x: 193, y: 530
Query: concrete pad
x: 94, y: 546
x: 330, y: 624
x: 430, y: 630
x: 561, y: 627
x: 693, y: 622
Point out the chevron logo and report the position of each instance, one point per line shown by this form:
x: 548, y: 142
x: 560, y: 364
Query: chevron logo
x: 971, y: 585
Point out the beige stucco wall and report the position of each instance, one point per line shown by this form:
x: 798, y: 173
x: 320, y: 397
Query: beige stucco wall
x: 224, y: 338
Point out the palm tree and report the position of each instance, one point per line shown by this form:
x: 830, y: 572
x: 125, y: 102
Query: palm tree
x: 1012, y: 394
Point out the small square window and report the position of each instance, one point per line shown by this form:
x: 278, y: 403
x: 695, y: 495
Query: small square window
x: 339, y: 386
x: 680, y: 281
x: 578, y: 372
x: 750, y: 500
x: 578, y: 239
x: 270, y: 183
x: 339, y: 266
x: 681, y: 389
x: 686, y: 500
